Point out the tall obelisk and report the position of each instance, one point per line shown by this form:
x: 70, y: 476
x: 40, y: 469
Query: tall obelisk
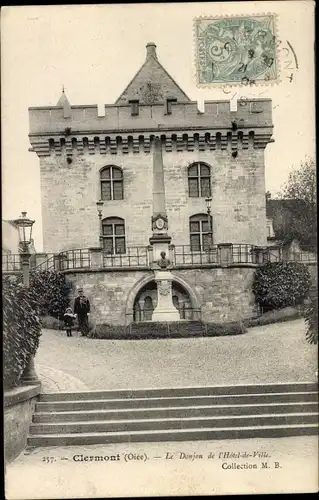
x: 160, y: 239
x: 165, y: 309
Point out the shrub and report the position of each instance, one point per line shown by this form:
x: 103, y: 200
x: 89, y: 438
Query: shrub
x: 281, y: 284
x: 51, y: 323
x: 21, y: 330
x: 275, y: 316
x: 176, y: 329
x: 311, y: 319
x: 52, y: 292
x: 222, y: 329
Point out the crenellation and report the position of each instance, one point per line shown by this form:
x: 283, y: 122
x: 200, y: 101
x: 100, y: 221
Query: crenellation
x: 250, y: 113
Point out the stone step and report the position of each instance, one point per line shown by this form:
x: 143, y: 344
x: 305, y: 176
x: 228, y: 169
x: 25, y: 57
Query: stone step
x: 182, y: 391
x: 84, y: 439
x: 96, y: 404
x: 174, y: 412
x: 154, y: 424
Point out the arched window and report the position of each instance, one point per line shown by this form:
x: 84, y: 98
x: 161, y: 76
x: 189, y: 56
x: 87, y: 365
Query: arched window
x: 113, y: 233
x: 111, y: 183
x: 200, y: 229
x: 199, y: 180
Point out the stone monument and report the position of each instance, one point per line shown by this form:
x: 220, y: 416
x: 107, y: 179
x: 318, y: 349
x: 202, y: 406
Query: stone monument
x: 165, y: 309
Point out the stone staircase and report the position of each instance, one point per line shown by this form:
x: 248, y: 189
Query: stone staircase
x: 179, y: 414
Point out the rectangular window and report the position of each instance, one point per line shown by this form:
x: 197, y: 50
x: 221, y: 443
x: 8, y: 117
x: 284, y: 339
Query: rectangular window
x: 193, y: 188
x: 108, y: 245
x: 119, y: 245
x: 106, y: 190
x: 169, y: 103
x: 205, y: 187
x: 118, y: 190
x: 194, y: 227
x: 206, y: 241
x: 119, y: 229
x: 195, y: 242
x: 205, y: 226
x: 134, y: 107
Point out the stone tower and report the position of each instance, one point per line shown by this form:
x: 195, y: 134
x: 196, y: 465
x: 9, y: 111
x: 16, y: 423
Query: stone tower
x: 85, y: 156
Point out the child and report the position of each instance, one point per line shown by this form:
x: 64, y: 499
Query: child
x: 68, y: 321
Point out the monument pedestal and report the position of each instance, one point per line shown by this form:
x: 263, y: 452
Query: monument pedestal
x: 165, y: 310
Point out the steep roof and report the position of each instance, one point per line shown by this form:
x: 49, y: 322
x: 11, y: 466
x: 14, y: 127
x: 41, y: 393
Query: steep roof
x: 63, y: 101
x: 152, y: 84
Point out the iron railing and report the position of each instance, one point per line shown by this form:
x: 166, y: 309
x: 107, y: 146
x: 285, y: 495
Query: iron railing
x: 186, y: 313
x: 181, y: 255
x: 133, y: 257
x: 11, y: 263
x: 185, y: 255
x: 74, y: 259
x: 47, y: 265
x: 281, y: 255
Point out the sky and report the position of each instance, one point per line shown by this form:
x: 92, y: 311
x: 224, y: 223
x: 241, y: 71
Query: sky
x: 95, y: 50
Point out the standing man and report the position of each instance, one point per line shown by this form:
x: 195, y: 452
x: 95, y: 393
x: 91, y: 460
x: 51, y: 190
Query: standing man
x: 82, y: 310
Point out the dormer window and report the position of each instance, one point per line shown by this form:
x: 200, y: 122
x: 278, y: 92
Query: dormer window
x: 134, y: 107
x: 169, y: 103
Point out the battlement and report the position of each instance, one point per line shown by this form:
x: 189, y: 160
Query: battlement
x: 251, y: 114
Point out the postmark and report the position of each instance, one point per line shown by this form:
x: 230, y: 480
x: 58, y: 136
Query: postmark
x: 236, y: 50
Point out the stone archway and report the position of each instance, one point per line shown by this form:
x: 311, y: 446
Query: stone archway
x: 183, y: 295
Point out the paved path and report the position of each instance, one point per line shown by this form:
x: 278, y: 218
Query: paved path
x: 53, y: 380
x: 30, y: 477
x: 268, y: 354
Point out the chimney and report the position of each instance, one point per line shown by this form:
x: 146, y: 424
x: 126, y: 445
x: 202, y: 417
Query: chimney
x: 151, y: 50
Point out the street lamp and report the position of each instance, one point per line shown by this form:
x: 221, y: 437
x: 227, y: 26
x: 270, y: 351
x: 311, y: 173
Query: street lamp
x: 208, y: 201
x: 24, y: 225
x: 99, y: 206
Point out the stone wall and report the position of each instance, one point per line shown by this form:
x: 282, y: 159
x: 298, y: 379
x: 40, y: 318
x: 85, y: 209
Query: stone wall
x: 19, y: 405
x: 223, y: 294
x: 108, y: 292
x: 70, y: 216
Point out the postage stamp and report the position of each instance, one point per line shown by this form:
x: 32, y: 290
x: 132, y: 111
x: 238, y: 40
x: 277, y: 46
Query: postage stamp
x: 236, y: 50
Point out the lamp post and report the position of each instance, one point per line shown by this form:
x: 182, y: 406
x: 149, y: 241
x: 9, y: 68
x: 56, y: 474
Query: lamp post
x: 24, y: 225
x: 208, y: 201
x: 99, y: 206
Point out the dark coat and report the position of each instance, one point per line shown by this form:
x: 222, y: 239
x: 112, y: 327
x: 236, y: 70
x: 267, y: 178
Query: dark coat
x: 68, y: 320
x: 81, y: 305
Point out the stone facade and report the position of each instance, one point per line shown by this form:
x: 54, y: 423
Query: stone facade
x: 70, y: 217
x: 220, y: 294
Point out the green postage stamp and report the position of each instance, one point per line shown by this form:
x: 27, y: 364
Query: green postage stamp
x: 236, y: 50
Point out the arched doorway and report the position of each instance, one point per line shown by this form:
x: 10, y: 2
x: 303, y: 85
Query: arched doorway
x: 146, y: 301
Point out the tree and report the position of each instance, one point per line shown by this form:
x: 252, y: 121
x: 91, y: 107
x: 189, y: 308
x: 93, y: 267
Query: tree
x: 52, y: 292
x: 302, y: 188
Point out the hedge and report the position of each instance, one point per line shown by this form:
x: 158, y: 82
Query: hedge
x: 176, y: 329
x: 281, y: 284
x: 21, y: 330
